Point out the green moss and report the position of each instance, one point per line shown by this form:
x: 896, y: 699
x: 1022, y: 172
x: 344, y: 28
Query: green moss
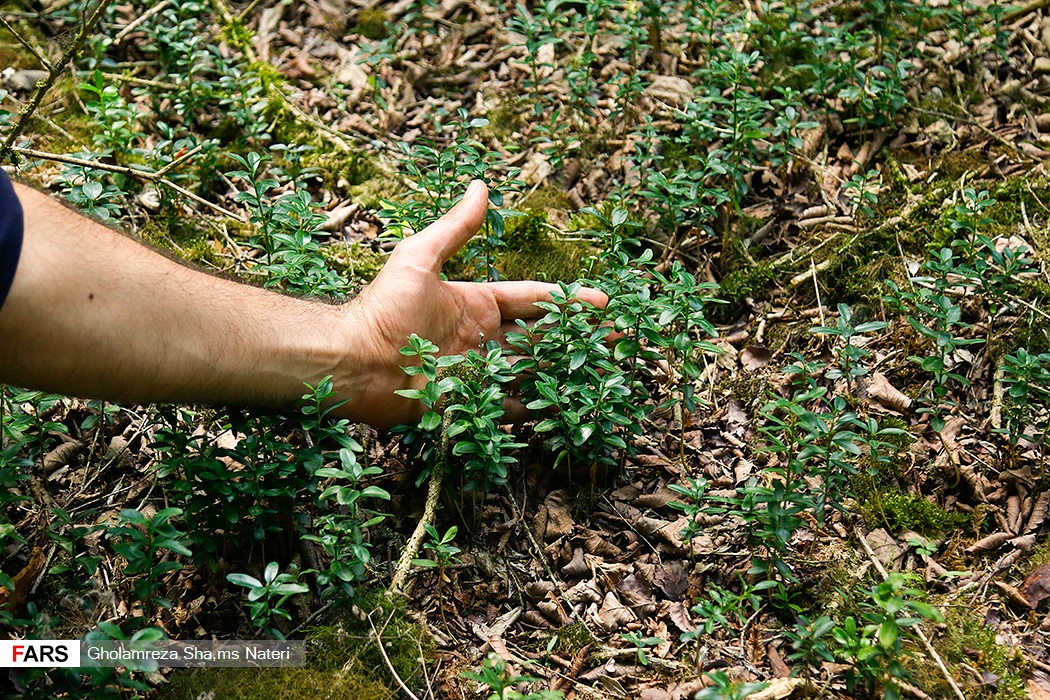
x: 533, y: 251
x: 744, y: 283
x: 373, y: 23
x: 528, y: 230
x: 1039, y: 557
x: 934, y: 108
x: 735, y: 255
x: 182, y: 237
x: 13, y: 54
x: 237, y: 34
x: 571, y: 639
x: 543, y: 200
x: 277, y: 684
x: 550, y: 259
x: 359, y: 263
x: 909, y: 511
x: 965, y: 639
x: 343, y: 661
x: 955, y: 164
x: 370, y: 193
x: 354, y: 167
x: 504, y: 120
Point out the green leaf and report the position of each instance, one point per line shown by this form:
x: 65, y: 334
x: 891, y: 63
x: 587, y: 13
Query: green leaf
x: 244, y: 580
x: 627, y: 347
x: 430, y: 421
x: 133, y: 516
x: 888, y: 634
x: 375, y: 492
x: 290, y: 589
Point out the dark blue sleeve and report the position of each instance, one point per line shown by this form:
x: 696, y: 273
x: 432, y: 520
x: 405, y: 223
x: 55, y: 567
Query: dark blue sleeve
x: 10, y: 234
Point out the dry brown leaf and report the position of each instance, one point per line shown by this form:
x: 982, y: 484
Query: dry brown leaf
x: 553, y: 612
x: 62, y: 456
x: 337, y: 218
x: 885, y: 547
x: 577, y: 566
x: 637, y: 595
x: 659, y: 499
x: 1013, y: 594
x: 662, y: 649
x: 679, y: 615
x: 1025, y: 542
x: 613, y: 614
x: 1036, y: 691
x: 670, y: 89
x: 888, y: 395
x: 777, y: 689
x: 500, y: 648
x: 584, y: 592
x: 24, y: 579
x: 755, y: 357
x: 554, y: 517
x: 672, y: 580
x: 991, y: 542
x: 537, y: 169
x: 1036, y: 587
x: 776, y: 663
x: 1038, y: 512
x: 1013, y: 513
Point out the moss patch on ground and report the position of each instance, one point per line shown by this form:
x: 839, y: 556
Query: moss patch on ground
x: 343, y: 661
x: 965, y: 639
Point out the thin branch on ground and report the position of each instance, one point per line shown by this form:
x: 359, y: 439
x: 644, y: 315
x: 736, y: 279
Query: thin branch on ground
x: 148, y: 175
x: 137, y: 22
x: 386, y: 660
x: 71, y: 53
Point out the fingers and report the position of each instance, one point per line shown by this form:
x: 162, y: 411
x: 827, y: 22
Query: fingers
x: 518, y: 299
x: 435, y: 244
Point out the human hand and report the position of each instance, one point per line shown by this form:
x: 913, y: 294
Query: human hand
x: 409, y: 296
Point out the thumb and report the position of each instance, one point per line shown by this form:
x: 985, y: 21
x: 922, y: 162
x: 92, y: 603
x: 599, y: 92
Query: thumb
x: 440, y: 241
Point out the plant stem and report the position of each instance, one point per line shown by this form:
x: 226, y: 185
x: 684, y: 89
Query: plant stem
x: 918, y: 630
x: 71, y: 53
x: 437, y: 473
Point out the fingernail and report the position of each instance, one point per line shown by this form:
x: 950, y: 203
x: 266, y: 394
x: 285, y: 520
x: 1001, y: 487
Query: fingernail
x: 473, y: 189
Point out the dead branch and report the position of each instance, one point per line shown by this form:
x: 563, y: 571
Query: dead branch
x: 151, y: 176
x: 389, y: 665
x: 70, y: 54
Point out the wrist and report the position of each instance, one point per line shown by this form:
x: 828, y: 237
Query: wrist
x: 368, y: 370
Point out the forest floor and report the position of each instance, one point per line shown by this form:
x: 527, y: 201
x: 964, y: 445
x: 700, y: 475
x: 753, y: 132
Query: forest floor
x: 590, y: 579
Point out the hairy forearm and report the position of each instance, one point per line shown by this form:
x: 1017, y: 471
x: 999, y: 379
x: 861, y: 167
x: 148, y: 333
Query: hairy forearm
x: 92, y: 313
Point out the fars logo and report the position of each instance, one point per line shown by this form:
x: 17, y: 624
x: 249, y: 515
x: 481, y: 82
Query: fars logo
x: 41, y: 653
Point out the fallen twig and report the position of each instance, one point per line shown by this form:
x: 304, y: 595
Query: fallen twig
x: 157, y: 176
x: 71, y: 52
x: 1033, y: 6
x: 386, y: 660
x: 133, y: 24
